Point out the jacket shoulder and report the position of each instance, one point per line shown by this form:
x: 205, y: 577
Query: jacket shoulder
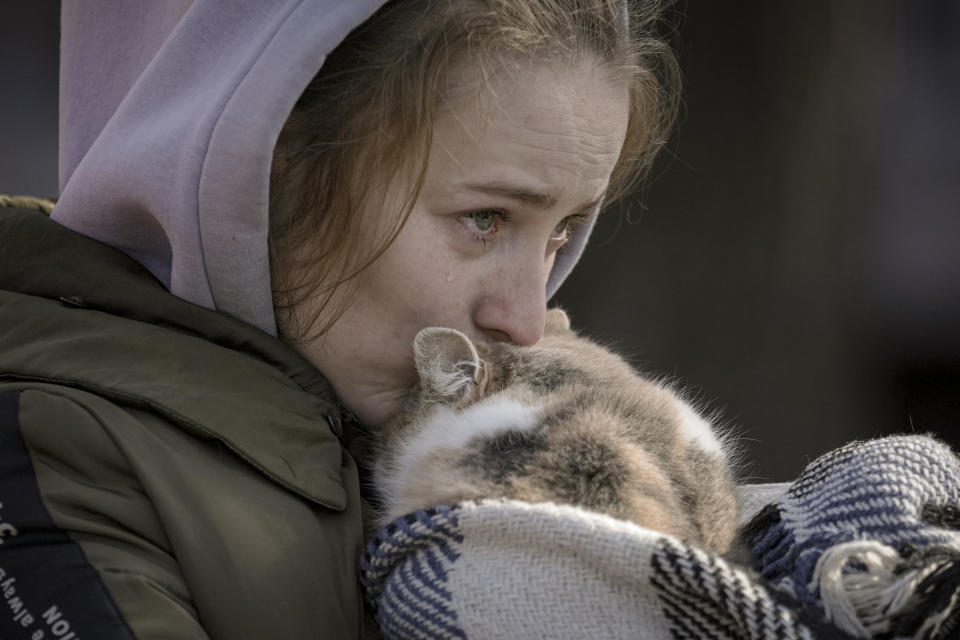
x: 181, y: 529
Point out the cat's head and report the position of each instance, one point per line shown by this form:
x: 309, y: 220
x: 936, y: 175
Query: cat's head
x: 453, y: 370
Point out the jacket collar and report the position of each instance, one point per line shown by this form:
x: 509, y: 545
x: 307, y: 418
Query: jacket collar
x: 79, y: 312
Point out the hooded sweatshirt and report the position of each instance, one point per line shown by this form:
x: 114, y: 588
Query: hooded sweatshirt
x: 169, y: 113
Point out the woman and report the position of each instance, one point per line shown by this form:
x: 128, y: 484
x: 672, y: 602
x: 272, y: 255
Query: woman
x: 170, y: 467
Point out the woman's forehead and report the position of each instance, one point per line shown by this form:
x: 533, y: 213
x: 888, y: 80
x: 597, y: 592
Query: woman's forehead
x: 549, y: 125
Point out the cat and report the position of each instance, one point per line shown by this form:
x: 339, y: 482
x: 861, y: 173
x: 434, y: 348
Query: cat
x: 563, y: 421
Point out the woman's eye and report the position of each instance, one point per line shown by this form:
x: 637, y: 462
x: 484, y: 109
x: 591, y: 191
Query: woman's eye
x: 567, y: 226
x: 483, y: 223
x: 484, y: 220
x: 564, y: 230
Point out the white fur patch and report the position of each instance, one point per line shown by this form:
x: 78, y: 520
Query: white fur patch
x: 699, y: 431
x: 448, y: 429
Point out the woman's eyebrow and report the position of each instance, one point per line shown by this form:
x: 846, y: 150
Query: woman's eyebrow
x: 539, y: 200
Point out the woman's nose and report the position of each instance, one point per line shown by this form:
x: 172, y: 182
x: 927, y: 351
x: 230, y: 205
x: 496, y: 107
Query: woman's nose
x: 516, y: 311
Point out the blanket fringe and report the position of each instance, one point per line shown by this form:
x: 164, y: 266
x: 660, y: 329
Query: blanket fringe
x: 870, y: 589
x: 933, y: 611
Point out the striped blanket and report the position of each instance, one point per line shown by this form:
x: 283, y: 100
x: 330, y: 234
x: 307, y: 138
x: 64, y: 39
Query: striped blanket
x: 864, y: 544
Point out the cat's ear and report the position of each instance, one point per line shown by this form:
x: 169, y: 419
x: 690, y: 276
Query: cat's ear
x: 557, y: 321
x: 447, y: 363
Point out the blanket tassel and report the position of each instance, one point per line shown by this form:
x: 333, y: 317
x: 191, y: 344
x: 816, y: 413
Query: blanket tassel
x: 870, y: 589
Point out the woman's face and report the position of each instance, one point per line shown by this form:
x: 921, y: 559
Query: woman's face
x: 511, y: 172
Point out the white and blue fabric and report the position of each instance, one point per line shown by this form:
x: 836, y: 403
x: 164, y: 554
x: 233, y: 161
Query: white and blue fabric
x: 865, y: 544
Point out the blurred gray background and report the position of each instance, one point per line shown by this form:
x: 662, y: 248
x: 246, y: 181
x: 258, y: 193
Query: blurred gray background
x: 796, y: 260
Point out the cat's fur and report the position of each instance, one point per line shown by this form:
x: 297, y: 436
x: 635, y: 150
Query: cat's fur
x: 564, y: 421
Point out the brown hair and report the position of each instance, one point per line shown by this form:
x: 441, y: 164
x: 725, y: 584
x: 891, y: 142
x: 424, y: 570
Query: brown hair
x: 367, y: 119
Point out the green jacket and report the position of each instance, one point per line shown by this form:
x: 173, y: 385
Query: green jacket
x: 165, y: 470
